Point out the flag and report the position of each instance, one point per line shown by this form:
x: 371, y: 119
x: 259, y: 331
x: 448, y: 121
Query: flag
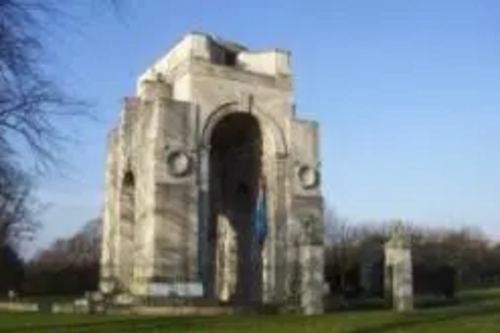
x: 260, y: 218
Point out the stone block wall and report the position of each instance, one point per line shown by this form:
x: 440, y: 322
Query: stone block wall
x: 163, y: 141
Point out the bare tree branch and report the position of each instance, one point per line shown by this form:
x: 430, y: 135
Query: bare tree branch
x: 33, y: 108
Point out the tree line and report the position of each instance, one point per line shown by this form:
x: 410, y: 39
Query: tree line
x: 444, y: 259
x: 67, y: 267
x: 71, y: 266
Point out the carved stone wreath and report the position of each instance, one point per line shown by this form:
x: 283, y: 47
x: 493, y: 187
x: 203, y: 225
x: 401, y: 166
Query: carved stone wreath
x: 179, y: 163
x: 308, y: 177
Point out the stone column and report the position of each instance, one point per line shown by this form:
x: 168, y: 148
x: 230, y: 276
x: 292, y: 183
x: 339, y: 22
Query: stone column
x: 398, y: 280
x: 311, y: 262
x: 226, y: 259
x: 206, y: 269
x: 278, y: 247
x: 311, y: 258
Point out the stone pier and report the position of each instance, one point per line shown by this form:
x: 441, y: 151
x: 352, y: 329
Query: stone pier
x: 398, y: 279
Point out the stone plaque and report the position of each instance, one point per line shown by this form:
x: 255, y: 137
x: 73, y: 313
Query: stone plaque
x: 189, y: 289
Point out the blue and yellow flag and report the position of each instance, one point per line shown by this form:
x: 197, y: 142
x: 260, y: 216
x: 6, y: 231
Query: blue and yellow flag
x: 260, y: 218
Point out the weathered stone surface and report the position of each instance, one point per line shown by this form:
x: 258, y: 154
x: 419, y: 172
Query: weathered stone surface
x: 19, y: 307
x: 167, y: 193
x: 312, y: 265
x: 399, y: 271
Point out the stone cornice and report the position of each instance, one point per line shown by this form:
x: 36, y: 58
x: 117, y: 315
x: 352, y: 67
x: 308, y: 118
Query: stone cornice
x: 202, y: 68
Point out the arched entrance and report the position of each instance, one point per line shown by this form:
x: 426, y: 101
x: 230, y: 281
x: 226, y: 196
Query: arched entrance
x: 235, y: 170
x: 127, y: 229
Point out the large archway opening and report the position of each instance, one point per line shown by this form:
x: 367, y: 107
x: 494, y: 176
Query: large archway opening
x: 235, y: 171
x: 127, y: 230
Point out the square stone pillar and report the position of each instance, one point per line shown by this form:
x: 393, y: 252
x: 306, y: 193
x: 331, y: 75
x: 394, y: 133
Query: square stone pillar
x: 311, y: 289
x: 398, y: 280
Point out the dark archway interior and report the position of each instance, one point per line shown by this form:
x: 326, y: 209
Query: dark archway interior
x: 127, y: 228
x: 235, y: 169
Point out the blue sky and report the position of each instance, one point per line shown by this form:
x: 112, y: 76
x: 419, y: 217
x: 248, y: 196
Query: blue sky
x: 406, y: 93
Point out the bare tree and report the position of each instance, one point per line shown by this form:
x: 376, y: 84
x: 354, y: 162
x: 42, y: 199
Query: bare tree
x: 68, y: 266
x: 32, y: 108
x: 342, y: 247
x: 82, y: 248
x: 30, y: 101
x: 18, y: 207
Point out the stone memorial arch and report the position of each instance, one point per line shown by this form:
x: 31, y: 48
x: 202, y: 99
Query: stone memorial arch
x: 211, y: 127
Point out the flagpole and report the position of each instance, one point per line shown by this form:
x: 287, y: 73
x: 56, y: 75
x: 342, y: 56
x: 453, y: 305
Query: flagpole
x: 258, y: 237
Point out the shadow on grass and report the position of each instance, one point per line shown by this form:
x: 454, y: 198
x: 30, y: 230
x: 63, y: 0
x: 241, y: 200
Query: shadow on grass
x: 415, y: 320
x: 133, y: 324
x: 477, y: 296
x: 355, y: 305
x: 472, y: 305
x: 466, y: 298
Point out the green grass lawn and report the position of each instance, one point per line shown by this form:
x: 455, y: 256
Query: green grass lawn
x: 478, y: 312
